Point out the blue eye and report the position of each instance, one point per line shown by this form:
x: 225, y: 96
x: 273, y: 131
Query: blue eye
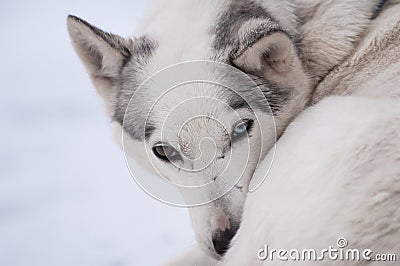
x: 242, y: 128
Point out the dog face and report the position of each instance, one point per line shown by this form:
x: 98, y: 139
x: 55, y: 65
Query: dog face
x: 207, y: 136
x: 199, y: 140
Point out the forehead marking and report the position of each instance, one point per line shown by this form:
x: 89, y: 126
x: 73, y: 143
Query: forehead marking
x: 239, y: 12
x: 238, y: 27
x: 227, y: 43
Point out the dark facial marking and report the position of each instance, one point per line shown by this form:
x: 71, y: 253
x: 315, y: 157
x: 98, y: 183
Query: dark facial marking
x: 127, y: 83
x: 228, y: 45
x: 149, y: 130
x: 275, y: 94
x: 237, y: 102
x: 248, y: 97
x: 226, y: 32
x: 230, y: 21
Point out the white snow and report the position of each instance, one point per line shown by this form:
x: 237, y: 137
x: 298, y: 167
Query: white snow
x: 66, y: 196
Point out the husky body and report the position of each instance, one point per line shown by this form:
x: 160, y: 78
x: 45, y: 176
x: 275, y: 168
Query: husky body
x: 340, y: 157
x: 286, y: 47
x: 373, y: 69
x: 336, y: 174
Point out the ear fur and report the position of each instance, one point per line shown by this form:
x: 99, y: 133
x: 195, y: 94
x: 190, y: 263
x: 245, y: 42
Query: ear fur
x: 272, y: 53
x: 274, y: 58
x: 102, y: 53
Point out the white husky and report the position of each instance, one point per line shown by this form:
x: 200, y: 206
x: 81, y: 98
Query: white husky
x: 285, y: 47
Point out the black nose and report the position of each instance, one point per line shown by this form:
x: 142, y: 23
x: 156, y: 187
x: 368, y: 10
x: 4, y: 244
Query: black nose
x: 222, y: 240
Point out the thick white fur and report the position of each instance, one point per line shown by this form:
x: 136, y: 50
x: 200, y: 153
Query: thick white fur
x: 336, y: 172
x: 337, y: 169
x: 373, y: 70
x: 328, y: 32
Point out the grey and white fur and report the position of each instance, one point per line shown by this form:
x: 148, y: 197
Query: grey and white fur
x: 286, y: 46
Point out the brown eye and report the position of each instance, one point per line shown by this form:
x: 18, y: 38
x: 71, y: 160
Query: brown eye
x: 165, y: 152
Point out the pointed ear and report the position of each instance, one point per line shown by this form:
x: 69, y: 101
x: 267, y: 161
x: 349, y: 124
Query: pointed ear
x: 102, y: 53
x: 272, y: 54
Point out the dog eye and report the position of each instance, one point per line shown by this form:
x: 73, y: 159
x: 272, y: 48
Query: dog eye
x: 242, y: 128
x: 165, y: 152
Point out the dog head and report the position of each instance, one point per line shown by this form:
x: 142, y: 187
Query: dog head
x: 207, y: 136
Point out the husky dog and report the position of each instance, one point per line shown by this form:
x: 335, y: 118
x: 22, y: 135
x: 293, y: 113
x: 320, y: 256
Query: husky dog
x: 343, y: 156
x: 335, y: 176
x: 284, y: 46
x: 336, y: 171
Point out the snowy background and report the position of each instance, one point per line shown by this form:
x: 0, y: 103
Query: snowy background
x: 66, y: 197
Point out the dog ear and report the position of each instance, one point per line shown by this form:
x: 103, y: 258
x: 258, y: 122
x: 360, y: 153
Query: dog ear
x: 272, y: 55
x: 102, y: 53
